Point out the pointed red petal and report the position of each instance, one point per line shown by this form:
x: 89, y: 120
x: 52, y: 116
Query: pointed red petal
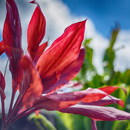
x: 2, y: 48
x: 108, y: 89
x: 60, y: 101
x: 68, y: 74
x: 98, y: 112
x: 106, y: 101
x: 31, y: 87
x: 62, y: 52
x: 12, y: 38
x: 89, y: 95
x: 36, y: 31
x: 33, y: 2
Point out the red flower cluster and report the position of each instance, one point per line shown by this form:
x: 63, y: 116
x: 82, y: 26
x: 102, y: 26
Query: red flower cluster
x: 38, y: 75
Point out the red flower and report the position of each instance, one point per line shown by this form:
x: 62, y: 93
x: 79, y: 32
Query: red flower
x: 38, y: 75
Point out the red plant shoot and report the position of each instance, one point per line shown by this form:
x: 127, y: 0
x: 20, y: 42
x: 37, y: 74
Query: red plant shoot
x: 39, y: 74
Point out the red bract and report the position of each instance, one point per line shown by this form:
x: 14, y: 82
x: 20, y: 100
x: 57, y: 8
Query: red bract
x: 39, y: 75
x: 98, y: 112
x: 36, y: 32
x: 2, y: 48
x: 12, y: 40
x: 31, y: 87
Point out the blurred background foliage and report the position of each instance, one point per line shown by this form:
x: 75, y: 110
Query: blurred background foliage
x: 89, y: 77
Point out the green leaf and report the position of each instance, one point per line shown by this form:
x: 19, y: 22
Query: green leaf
x: 114, y: 34
x: 108, y: 61
x: 96, y: 81
x: 67, y: 119
x: 126, y: 77
x: 109, y: 55
x: 104, y: 125
x: 59, y: 122
x: 43, y: 121
x: 78, y: 123
x: 120, y: 125
x: 86, y: 123
x: 87, y: 41
x: 115, y: 78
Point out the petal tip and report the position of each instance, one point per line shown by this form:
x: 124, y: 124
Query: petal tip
x: 32, y: 2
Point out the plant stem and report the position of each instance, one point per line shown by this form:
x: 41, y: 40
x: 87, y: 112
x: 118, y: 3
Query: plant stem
x: 12, y: 100
x: 3, y: 113
x: 24, y: 113
x: 13, y: 112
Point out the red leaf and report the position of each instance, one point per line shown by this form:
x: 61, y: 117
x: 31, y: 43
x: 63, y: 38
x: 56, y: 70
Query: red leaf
x: 108, y: 89
x: 36, y: 31
x: 68, y: 74
x: 106, y: 101
x: 60, y: 101
x: 98, y: 112
x: 40, y: 50
x: 12, y: 38
x: 2, y: 48
x: 31, y: 87
x: 62, y: 52
x: 2, y: 85
x: 49, y: 82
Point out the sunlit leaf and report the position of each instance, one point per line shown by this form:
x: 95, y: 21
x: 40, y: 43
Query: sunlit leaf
x: 31, y: 87
x: 12, y: 39
x: 36, y: 31
x: 2, y: 48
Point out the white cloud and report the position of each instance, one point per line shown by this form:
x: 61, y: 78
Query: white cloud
x: 123, y: 55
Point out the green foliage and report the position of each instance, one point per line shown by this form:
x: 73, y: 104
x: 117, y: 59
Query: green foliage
x: 74, y: 122
x: 59, y: 122
x: 104, y: 125
x: 78, y: 122
x: 67, y: 119
x: 122, y: 125
x: 109, y: 55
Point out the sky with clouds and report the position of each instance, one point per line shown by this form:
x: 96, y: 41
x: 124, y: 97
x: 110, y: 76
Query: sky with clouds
x: 59, y: 14
x: 104, y: 13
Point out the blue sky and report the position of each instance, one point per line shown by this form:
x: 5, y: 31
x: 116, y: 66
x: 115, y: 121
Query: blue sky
x: 104, y: 13
x: 0, y: 37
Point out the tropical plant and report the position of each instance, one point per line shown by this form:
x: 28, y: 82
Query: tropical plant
x: 38, y: 76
